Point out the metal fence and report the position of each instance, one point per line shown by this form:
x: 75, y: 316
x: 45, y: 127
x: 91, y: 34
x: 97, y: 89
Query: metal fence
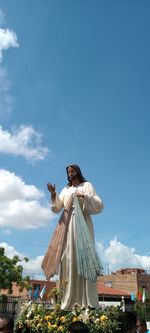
x: 9, y: 305
x: 12, y: 305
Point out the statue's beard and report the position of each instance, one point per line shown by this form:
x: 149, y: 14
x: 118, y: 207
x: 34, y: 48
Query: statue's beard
x: 73, y: 177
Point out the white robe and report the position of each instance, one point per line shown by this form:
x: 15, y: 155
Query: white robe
x: 77, y: 289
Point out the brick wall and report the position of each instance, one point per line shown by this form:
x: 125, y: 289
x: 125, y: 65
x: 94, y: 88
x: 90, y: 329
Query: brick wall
x: 130, y: 281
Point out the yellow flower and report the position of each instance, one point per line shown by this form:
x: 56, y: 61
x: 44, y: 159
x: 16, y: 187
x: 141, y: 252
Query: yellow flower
x: 54, y: 326
x: 63, y: 319
x: 75, y: 319
x: 103, y: 318
x: 28, y: 322
x: 48, y: 317
x: 60, y: 329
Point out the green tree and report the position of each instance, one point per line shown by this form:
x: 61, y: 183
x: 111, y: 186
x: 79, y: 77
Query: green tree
x: 142, y: 309
x: 12, y: 271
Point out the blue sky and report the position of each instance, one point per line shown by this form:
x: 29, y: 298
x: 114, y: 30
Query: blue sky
x: 74, y: 88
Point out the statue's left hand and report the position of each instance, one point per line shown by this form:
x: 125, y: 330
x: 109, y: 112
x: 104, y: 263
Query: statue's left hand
x: 80, y: 194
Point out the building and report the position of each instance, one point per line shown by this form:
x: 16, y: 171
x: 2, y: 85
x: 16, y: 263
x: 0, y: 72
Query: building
x: 111, y: 288
x: 11, y: 304
x: 132, y: 280
x: 112, y: 296
x: 34, y: 284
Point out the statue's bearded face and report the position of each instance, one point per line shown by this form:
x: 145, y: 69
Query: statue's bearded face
x: 72, y: 173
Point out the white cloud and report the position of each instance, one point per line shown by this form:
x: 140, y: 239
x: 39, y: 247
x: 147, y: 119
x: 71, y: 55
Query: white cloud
x: 14, y: 188
x: 24, y: 141
x: 10, y: 250
x: 8, y: 38
x: 20, y: 204
x: 32, y: 267
x: 118, y: 255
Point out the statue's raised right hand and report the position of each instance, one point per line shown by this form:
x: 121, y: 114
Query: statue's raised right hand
x: 51, y: 188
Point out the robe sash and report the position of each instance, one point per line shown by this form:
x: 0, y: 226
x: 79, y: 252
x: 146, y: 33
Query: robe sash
x: 51, y: 260
x: 89, y: 265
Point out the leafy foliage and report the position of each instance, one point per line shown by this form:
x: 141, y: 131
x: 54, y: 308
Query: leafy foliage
x: 35, y: 318
x: 142, y: 310
x: 11, y: 271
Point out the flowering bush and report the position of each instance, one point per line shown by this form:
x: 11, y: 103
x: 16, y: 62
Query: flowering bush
x: 37, y: 318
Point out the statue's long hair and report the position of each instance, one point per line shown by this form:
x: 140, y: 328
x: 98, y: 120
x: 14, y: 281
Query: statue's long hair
x: 79, y: 174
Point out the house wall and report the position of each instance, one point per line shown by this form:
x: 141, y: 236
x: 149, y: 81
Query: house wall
x: 128, y: 280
